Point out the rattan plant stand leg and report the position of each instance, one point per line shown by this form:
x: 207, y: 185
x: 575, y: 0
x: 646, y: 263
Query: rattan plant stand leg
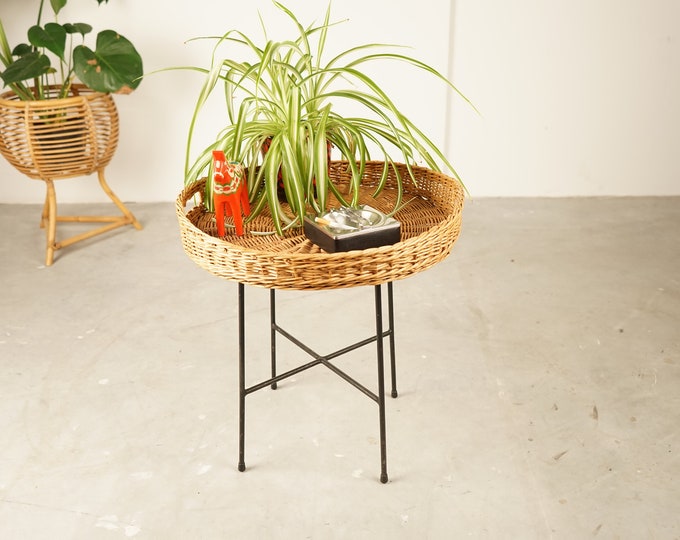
x: 380, y: 334
x: 50, y: 218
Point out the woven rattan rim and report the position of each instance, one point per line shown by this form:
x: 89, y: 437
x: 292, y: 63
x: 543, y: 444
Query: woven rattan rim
x: 430, y: 224
x: 52, y: 139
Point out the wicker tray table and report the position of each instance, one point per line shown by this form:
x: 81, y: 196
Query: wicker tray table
x: 430, y: 224
x: 430, y: 217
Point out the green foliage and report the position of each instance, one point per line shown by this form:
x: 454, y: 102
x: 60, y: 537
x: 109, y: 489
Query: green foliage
x: 114, y: 65
x: 290, y: 97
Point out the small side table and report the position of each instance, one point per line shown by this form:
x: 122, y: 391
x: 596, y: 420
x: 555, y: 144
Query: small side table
x: 430, y: 224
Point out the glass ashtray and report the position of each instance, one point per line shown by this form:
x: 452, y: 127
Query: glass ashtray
x: 345, y: 219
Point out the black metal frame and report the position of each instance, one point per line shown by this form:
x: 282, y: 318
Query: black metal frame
x: 378, y: 338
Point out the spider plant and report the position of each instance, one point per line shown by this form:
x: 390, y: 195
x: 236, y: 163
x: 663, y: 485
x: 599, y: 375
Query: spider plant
x: 114, y: 65
x: 291, y: 96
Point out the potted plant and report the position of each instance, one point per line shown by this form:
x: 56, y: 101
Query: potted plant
x: 58, y: 119
x: 283, y: 128
x: 113, y: 66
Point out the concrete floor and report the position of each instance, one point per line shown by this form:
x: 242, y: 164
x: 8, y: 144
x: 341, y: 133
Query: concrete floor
x: 539, y: 377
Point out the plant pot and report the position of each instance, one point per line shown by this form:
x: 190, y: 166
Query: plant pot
x: 59, y: 138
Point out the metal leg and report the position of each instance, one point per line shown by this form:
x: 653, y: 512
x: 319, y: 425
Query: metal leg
x: 325, y: 360
x: 393, y: 361
x: 241, y: 378
x: 381, y: 383
x: 272, y: 319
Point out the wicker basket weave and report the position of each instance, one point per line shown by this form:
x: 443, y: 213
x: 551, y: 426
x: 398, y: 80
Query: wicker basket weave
x: 52, y: 139
x: 430, y: 224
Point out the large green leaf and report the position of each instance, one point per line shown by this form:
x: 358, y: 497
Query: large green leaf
x: 78, y: 28
x: 22, y: 49
x: 29, y: 66
x: 52, y: 38
x: 115, y: 65
x: 57, y: 5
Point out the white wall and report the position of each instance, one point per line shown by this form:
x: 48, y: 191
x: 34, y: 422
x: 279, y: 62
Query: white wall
x: 148, y: 165
x: 577, y: 97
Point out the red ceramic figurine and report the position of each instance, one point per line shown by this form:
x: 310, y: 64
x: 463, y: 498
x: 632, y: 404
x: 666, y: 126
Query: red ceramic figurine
x: 230, y: 192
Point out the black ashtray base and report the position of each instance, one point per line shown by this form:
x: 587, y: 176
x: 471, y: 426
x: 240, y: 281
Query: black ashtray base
x: 374, y: 231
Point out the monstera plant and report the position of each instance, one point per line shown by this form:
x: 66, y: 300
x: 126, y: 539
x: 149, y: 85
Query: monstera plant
x: 58, y: 118
x: 114, y: 66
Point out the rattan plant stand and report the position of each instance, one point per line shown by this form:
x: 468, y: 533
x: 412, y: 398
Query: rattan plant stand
x: 56, y: 139
x: 430, y: 224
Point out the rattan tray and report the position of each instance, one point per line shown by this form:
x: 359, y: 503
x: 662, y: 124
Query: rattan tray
x: 430, y: 224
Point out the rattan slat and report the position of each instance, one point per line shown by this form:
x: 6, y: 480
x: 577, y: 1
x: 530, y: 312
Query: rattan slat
x: 53, y: 139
